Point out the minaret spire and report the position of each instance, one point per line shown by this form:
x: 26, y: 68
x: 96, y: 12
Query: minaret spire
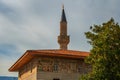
x: 63, y: 17
x: 63, y: 38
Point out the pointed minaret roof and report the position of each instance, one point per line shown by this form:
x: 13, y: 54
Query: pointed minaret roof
x: 63, y: 17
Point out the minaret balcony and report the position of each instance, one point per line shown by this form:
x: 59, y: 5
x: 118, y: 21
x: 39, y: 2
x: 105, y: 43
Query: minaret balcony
x: 63, y: 39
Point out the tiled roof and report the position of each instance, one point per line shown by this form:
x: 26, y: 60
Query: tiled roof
x: 30, y: 54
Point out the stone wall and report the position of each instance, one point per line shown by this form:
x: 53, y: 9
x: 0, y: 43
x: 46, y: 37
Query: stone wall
x: 56, y: 75
x: 28, y: 71
x: 50, y: 68
x: 64, y: 69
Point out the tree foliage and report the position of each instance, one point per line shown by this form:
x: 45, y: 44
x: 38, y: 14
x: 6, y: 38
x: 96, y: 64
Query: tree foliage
x: 105, y: 53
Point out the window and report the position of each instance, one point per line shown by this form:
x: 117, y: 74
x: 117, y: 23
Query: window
x: 40, y: 66
x: 55, y: 67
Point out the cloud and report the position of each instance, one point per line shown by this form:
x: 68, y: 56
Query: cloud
x: 34, y: 24
x: 5, y: 65
x: 21, y: 29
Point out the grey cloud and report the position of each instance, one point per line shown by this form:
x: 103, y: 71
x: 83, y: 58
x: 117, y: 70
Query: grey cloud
x: 34, y: 24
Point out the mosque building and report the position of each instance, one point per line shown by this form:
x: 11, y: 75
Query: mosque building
x: 53, y: 64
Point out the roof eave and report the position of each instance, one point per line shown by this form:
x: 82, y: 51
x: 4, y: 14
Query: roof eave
x: 29, y: 54
x: 18, y: 62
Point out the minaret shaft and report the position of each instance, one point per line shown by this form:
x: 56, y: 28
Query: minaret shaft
x: 63, y: 28
x: 63, y: 38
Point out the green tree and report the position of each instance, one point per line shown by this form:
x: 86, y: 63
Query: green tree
x: 105, y: 53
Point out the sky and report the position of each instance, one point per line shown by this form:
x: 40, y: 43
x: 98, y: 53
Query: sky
x: 34, y: 24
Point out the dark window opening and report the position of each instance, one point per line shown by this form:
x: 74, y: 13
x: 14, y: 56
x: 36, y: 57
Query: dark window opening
x: 56, y: 79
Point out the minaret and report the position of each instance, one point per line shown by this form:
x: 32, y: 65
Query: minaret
x: 63, y: 38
